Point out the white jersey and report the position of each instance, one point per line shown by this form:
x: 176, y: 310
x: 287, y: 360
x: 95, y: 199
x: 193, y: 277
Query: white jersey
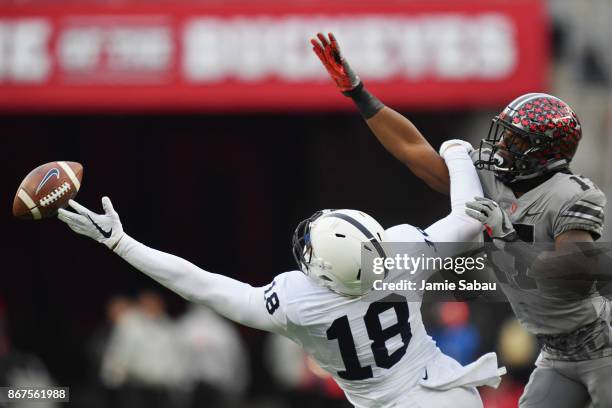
x: 376, y: 351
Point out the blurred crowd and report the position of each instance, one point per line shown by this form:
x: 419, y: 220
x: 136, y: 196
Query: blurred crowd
x: 144, y: 358
x: 18, y: 368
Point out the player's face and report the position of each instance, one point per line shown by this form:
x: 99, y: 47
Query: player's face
x: 511, y: 142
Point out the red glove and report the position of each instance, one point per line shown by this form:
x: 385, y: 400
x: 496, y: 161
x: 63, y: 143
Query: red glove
x: 328, y: 52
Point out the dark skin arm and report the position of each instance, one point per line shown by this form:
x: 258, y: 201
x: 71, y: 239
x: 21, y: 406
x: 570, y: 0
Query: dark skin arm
x: 396, y: 133
x: 404, y: 141
x: 566, y: 267
x: 577, y: 263
x: 569, y: 271
x: 552, y: 264
x: 573, y: 236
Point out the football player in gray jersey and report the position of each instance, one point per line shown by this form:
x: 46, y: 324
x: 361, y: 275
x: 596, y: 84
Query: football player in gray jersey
x: 532, y: 197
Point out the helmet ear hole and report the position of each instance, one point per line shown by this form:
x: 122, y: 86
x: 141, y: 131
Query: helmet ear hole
x: 340, y: 235
x: 325, y: 277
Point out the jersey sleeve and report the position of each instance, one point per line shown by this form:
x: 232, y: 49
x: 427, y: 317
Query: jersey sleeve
x: 464, y: 186
x: 487, y: 177
x: 275, y: 300
x: 258, y: 307
x: 584, y: 212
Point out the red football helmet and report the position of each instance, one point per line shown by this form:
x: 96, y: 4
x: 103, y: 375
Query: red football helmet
x: 534, y: 135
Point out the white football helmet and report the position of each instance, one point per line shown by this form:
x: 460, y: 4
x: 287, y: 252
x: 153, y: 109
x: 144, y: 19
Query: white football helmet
x: 327, y: 247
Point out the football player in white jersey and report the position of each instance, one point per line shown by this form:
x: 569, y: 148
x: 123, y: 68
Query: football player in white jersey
x: 533, y: 197
x: 378, y: 352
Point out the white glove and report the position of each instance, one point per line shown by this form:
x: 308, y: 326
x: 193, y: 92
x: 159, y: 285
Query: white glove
x: 105, y: 228
x: 455, y: 142
x: 495, y: 220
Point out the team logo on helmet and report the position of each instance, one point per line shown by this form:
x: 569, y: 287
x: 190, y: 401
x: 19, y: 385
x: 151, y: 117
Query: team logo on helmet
x: 534, y: 135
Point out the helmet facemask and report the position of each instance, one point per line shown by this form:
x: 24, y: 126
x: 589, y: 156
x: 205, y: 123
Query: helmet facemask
x: 524, y: 156
x: 302, y: 245
x: 534, y: 135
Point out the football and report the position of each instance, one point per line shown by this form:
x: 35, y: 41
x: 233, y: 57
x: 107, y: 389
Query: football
x: 46, y: 189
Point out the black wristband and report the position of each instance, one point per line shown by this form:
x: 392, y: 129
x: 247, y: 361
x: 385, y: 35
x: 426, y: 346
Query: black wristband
x: 367, y: 104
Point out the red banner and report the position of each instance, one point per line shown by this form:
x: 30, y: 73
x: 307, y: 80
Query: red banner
x: 256, y: 56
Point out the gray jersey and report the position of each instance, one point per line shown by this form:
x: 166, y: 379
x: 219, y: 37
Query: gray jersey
x: 562, y: 203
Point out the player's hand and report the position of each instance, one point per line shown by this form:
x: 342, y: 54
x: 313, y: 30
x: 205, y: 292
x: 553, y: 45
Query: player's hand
x: 495, y: 220
x: 455, y: 143
x: 105, y: 228
x: 328, y: 51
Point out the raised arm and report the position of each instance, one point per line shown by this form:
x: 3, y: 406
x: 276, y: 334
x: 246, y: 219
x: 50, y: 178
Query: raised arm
x: 235, y: 300
x: 396, y: 133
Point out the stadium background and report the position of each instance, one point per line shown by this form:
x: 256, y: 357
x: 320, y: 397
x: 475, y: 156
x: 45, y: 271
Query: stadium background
x: 223, y: 182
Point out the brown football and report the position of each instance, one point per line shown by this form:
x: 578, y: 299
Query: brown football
x: 46, y: 189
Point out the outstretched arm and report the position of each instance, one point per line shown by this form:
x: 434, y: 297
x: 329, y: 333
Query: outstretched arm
x: 394, y: 131
x: 235, y: 300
